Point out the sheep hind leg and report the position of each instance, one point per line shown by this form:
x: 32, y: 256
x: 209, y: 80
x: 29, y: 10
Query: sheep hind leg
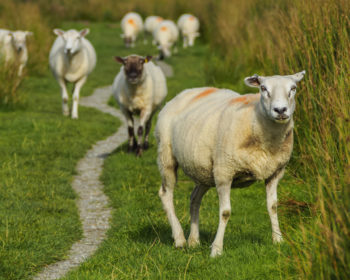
x: 196, y: 198
x: 147, y: 130
x: 166, y: 192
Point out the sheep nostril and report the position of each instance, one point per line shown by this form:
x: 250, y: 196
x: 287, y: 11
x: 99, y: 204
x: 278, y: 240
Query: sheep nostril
x: 280, y: 110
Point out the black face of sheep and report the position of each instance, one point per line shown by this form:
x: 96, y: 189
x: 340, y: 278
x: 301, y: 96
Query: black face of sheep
x: 133, y: 67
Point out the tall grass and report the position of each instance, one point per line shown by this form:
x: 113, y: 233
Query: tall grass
x: 282, y: 37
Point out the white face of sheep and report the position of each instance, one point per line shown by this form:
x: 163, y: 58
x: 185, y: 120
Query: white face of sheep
x: 18, y: 39
x: 72, y: 39
x: 277, y: 94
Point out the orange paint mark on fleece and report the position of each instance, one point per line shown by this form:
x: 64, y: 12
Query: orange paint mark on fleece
x: 164, y: 28
x: 191, y: 18
x: 131, y: 21
x: 244, y: 99
x: 204, y: 93
x: 159, y: 19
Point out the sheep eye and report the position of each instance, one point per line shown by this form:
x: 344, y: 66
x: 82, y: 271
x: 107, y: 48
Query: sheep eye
x: 293, y: 88
x: 263, y: 88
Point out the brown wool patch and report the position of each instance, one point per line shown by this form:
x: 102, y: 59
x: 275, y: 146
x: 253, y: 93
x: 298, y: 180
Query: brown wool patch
x: 204, y: 93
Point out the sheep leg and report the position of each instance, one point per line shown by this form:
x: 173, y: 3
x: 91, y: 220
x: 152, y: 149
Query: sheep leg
x: 130, y: 121
x: 271, y: 198
x: 225, y: 213
x: 20, y: 70
x: 64, y: 93
x: 168, y: 169
x: 196, y: 198
x: 76, y: 93
x: 148, y: 129
x: 144, y: 117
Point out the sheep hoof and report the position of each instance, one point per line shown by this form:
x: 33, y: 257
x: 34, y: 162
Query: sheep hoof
x: 180, y: 242
x: 145, y: 145
x: 74, y: 117
x: 193, y: 242
x: 215, y: 251
x: 276, y: 239
x: 139, y: 152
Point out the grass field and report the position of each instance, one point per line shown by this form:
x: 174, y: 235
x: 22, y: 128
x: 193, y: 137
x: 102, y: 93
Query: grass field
x: 39, y: 149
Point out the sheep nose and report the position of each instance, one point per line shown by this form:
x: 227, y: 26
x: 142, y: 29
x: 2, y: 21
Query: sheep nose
x: 280, y: 110
x: 68, y: 50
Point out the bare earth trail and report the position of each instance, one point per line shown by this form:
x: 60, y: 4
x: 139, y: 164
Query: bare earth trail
x: 92, y: 202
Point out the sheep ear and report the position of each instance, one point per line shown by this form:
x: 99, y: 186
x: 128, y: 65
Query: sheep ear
x: 147, y: 58
x: 253, y: 81
x: 84, y: 32
x: 120, y: 59
x: 298, y: 76
x: 58, y: 32
x: 29, y: 33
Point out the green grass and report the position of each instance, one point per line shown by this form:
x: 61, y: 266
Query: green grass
x: 39, y: 149
x: 139, y: 243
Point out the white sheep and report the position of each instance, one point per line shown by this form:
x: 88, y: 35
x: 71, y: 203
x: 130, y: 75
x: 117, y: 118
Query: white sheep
x: 140, y: 87
x: 151, y: 22
x: 219, y: 137
x: 72, y: 58
x: 189, y: 27
x: 131, y: 25
x: 14, y: 47
x: 166, y: 34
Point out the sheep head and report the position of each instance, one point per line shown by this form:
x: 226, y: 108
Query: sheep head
x: 277, y: 94
x: 18, y: 39
x: 133, y: 67
x: 72, y: 39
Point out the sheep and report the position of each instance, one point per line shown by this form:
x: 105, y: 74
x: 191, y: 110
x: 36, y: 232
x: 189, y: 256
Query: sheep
x: 189, y: 26
x: 165, y: 35
x: 131, y: 25
x: 14, y: 48
x: 151, y: 23
x: 72, y: 58
x: 219, y: 137
x: 140, y: 87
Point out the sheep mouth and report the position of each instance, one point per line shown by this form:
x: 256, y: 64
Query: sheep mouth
x: 282, y: 119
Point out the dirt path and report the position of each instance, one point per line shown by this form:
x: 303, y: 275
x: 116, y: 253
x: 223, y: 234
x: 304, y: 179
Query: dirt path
x: 92, y: 202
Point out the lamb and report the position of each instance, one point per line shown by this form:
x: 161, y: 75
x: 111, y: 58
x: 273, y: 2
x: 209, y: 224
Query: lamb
x: 131, y: 25
x: 165, y: 35
x: 72, y: 58
x: 219, y: 137
x: 14, y: 47
x: 189, y: 26
x: 140, y: 87
x: 151, y: 23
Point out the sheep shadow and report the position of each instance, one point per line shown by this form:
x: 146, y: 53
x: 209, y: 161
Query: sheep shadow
x: 123, y: 148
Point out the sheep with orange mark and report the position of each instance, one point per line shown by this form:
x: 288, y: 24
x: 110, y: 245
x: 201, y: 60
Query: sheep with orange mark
x: 139, y: 88
x: 224, y: 139
x: 166, y: 34
x: 189, y: 27
x: 151, y: 23
x: 131, y: 25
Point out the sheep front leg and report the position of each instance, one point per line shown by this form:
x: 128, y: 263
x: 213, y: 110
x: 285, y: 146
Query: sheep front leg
x: 225, y: 213
x: 64, y: 93
x: 130, y: 122
x: 271, y: 197
x: 196, y: 198
x: 76, y: 94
